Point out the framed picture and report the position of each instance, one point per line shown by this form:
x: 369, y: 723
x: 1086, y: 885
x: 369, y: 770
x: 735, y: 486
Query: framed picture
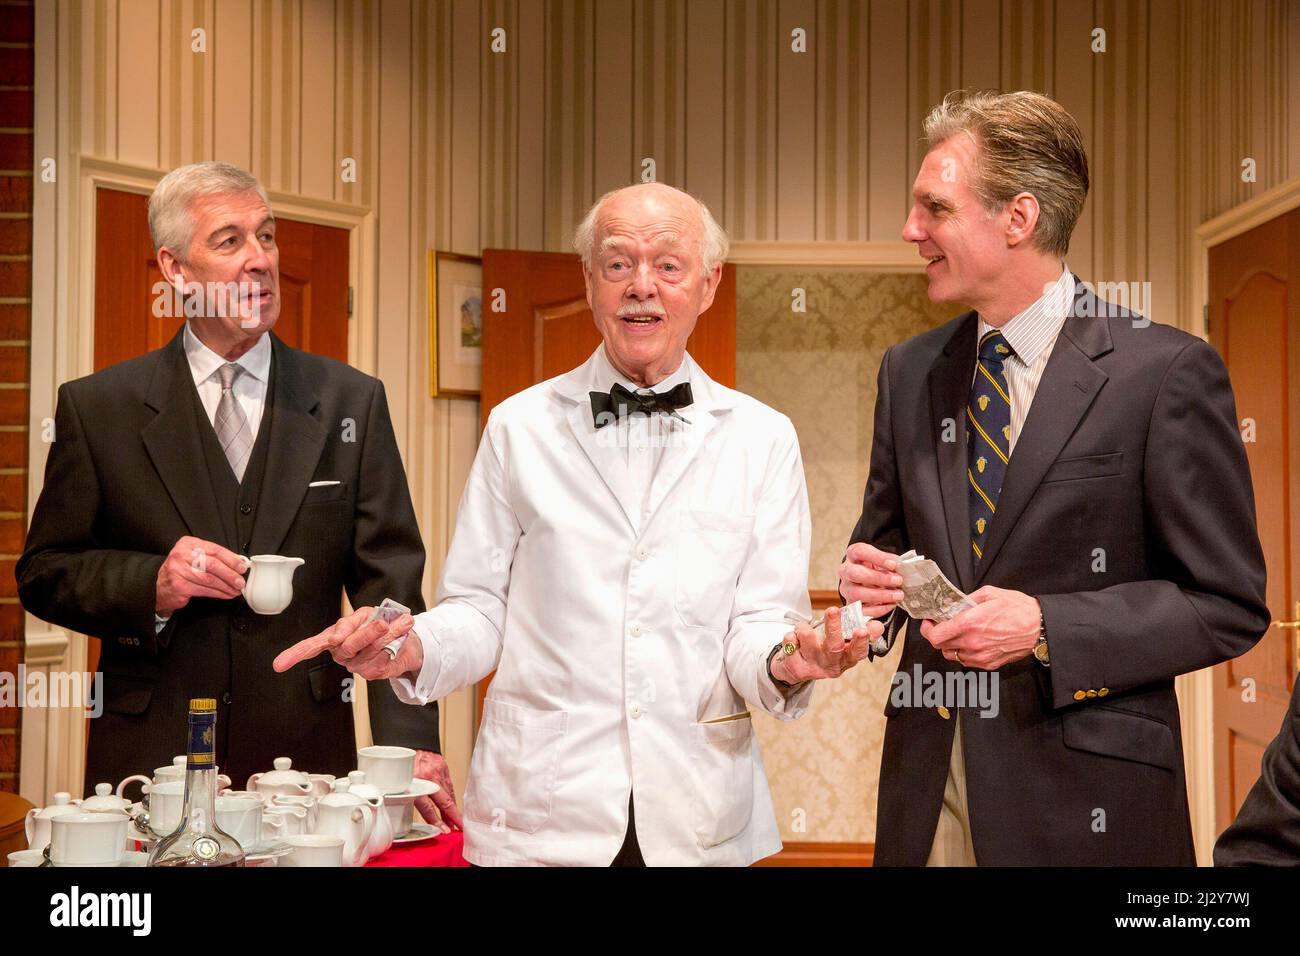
x: 455, y: 324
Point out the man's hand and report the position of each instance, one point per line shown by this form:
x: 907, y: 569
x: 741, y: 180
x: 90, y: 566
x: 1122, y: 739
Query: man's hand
x: 868, y: 575
x: 360, y: 647
x: 1001, y: 628
x: 439, y: 810
x: 197, y: 568
x: 814, y: 660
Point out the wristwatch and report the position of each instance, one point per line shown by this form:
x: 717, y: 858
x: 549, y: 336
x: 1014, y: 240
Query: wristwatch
x: 1040, y: 648
x: 772, y: 677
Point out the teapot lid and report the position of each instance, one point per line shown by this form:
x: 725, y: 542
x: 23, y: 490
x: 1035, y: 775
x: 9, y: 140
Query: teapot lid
x: 341, y: 795
x: 62, y: 804
x: 283, y: 773
x: 104, y: 799
x: 357, y: 785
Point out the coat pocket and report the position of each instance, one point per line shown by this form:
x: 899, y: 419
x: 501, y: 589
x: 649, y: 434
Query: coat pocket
x: 1112, y: 732
x: 512, y: 774
x: 1092, y: 466
x: 710, y: 552
x: 326, y: 494
x: 723, y: 764
x: 127, y: 695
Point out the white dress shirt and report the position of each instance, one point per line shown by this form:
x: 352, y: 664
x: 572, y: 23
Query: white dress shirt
x: 1032, y: 335
x: 643, y: 436
x: 249, y: 388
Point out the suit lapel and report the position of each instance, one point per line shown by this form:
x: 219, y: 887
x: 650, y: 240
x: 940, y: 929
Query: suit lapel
x: 296, y: 441
x: 949, y: 381
x: 1067, y: 389
x: 173, y: 444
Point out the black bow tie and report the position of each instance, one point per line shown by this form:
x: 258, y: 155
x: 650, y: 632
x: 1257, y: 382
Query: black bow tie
x: 620, y: 402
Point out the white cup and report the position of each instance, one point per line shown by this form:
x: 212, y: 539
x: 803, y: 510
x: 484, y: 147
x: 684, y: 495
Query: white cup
x: 391, y: 769
x: 312, y: 849
x: 26, y: 858
x: 88, y: 839
x: 401, y: 814
x: 241, y: 817
x: 166, y: 801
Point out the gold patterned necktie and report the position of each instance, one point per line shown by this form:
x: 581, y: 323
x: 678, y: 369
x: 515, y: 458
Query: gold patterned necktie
x: 988, y: 436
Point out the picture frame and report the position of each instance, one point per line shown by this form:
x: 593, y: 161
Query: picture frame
x: 455, y: 291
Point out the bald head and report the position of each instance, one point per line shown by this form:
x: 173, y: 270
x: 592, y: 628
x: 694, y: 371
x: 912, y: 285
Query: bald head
x: 652, y: 257
x: 711, y: 240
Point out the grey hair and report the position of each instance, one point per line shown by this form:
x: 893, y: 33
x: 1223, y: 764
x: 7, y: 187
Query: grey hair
x: 170, y: 223
x: 714, y: 244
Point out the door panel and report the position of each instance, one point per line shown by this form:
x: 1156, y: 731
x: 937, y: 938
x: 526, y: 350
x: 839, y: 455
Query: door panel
x: 1254, y: 312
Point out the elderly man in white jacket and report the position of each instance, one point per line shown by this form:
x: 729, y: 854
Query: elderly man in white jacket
x: 631, y: 557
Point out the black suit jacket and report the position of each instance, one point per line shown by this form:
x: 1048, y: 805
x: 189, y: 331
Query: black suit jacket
x: 1127, y: 510
x: 1267, y: 829
x: 127, y: 477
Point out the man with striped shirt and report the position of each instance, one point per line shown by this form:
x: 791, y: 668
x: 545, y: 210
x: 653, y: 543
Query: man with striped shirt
x: 1076, y: 469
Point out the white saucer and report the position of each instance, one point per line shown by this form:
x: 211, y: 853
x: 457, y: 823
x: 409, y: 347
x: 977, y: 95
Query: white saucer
x: 265, y: 852
x: 419, y: 788
x: 419, y: 833
x: 132, y: 858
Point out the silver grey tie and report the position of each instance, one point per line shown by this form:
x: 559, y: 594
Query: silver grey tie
x: 231, y: 423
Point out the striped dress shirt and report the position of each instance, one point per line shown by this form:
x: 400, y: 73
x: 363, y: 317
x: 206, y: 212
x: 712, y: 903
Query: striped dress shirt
x: 1032, y: 335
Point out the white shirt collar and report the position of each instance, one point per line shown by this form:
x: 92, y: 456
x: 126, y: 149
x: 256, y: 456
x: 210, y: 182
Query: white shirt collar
x: 1036, y: 327
x: 607, y: 375
x: 204, y: 362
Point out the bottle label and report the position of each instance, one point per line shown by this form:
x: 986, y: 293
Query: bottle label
x: 202, y: 747
x: 206, y: 849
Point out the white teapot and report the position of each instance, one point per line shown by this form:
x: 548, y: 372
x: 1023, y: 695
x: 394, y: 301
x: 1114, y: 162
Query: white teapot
x: 381, y: 834
x: 37, y: 822
x: 346, y: 815
x: 285, y: 781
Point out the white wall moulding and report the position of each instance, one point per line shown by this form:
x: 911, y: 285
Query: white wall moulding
x: 860, y: 256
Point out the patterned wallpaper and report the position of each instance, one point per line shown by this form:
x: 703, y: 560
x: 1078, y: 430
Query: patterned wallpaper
x: 819, y: 367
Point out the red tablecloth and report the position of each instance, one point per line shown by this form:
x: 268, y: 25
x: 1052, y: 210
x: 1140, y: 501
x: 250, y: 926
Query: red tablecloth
x: 444, y: 850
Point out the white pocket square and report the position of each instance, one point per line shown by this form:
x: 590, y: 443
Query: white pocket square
x: 323, y: 484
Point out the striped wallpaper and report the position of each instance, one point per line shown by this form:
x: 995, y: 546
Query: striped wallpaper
x: 508, y: 149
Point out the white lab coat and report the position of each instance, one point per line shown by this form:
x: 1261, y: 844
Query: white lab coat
x: 615, y: 634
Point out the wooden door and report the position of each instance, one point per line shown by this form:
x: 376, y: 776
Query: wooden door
x: 1254, y: 314
x: 547, y: 329
x: 313, y: 290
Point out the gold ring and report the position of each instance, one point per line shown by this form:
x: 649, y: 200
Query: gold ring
x: 956, y: 655
x: 789, y: 648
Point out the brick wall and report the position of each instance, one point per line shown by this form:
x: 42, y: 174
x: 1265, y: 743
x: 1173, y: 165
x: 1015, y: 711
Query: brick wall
x: 16, y: 165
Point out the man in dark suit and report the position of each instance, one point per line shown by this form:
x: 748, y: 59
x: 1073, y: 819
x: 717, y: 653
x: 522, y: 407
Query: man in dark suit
x: 225, y: 442
x: 1267, y: 829
x: 1077, y: 470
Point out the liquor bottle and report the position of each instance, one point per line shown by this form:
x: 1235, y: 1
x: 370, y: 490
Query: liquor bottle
x: 198, y: 841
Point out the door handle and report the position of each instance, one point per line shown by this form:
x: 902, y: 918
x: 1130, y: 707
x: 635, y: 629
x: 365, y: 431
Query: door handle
x: 1293, y: 626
